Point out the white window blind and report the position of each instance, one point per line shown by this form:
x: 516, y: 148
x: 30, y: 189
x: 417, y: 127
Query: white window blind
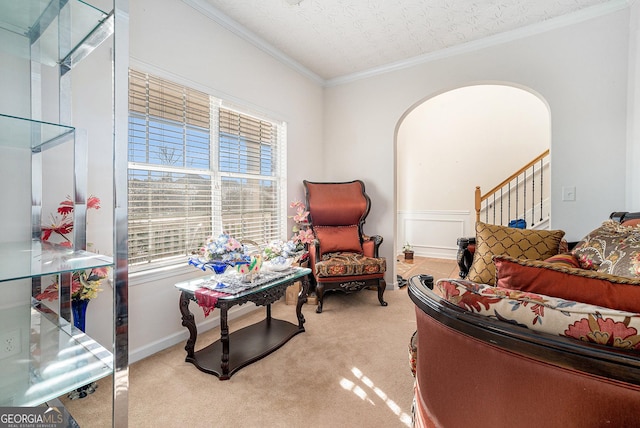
x: 196, y: 169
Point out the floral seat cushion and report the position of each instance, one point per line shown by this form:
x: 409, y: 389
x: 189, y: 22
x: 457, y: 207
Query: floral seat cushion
x: 582, y: 321
x: 348, y: 264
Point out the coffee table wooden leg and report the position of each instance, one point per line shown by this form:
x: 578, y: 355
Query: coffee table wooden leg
x: 189, y: 322
x: 302, y: 299
x: 224, y: 339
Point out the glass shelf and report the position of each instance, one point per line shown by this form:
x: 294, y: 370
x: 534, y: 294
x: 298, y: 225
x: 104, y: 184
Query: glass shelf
x: 20, y: 260
x: 18, y: 132
x: 36, y: 18
x: 54, y: 359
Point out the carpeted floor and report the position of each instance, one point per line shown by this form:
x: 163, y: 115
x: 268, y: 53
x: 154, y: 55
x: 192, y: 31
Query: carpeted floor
x: 349, y: 369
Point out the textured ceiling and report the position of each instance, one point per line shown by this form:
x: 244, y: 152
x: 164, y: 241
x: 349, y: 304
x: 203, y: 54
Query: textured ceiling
x: 334, y: 38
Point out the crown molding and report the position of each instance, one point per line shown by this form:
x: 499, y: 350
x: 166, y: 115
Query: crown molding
x: 230, y: 24
x: 582, y: 15
x: 497, y: 39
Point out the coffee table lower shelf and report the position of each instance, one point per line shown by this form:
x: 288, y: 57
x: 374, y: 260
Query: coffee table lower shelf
x: 246, y: 346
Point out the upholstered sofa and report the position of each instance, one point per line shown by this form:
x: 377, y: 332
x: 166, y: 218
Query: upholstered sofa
x: 535, y: 334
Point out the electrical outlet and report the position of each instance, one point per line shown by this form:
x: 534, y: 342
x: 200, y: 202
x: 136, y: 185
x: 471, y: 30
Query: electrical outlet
x: 9, y: 344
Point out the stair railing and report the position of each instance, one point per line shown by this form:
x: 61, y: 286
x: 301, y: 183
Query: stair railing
x: 508, y: 200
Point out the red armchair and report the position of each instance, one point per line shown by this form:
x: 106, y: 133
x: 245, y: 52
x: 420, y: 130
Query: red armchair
x: 342, y: 258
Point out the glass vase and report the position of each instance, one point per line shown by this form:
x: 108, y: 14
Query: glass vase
x: 79, y: 311
x: 219, y: 267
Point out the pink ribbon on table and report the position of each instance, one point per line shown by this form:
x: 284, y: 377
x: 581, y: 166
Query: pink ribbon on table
x: 207, y: 299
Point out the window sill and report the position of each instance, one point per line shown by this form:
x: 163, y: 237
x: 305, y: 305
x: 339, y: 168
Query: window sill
x: 163, y: 273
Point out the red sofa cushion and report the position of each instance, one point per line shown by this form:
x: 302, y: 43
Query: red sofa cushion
x: 579, y: 285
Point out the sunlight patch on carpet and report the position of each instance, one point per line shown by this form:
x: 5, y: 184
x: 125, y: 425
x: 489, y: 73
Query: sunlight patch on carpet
x: 361, y: 393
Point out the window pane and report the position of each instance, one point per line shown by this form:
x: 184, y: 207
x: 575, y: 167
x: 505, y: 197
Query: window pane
x: 169, y: 214
x: 250, y: 209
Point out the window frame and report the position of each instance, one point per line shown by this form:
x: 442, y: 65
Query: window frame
x: 278, y: 178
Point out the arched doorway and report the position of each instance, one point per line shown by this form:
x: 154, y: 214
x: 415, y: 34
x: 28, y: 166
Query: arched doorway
x: 449, y: 143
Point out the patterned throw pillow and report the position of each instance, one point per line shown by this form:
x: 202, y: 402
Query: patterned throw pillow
x: 594, y: 248
x: 564, y: 259
x: 519, y: 243
x: 624, y: 260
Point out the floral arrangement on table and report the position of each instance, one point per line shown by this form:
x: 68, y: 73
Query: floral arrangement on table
x: 85, y: 284
x: 279, y: 249
x: 219, y: 252
x: 62, y: 225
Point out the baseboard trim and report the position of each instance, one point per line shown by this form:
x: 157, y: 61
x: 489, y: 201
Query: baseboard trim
x: 437, y: 252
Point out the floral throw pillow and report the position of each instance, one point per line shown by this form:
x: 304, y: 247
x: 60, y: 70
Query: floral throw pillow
x: 624, y: 260
x: 594, y: 248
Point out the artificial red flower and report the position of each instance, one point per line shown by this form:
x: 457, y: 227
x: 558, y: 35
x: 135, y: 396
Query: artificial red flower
x: 64, y: 225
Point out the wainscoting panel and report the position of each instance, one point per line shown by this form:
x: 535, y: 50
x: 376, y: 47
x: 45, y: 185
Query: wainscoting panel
x: 433, y: 233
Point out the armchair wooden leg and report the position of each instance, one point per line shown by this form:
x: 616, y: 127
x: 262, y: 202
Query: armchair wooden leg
x: 382, y: 285
x: 320, y: 296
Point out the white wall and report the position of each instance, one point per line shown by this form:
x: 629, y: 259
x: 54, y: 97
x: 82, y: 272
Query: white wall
x: 580, y: 70
x: 464, y: 130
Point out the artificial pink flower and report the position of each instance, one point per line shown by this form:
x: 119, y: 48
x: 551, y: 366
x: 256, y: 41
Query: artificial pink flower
x: 297, y: 205
x: 93, y: 202
x: 304, y: 236
x: 301, y: 216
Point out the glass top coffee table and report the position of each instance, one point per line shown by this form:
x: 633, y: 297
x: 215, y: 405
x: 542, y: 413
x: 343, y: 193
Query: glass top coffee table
x: 250, y: 343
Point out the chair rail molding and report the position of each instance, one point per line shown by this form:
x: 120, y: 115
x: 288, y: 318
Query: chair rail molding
x: 433, y: 233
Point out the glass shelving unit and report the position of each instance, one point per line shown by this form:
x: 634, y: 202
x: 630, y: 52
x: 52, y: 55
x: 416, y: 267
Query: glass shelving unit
x: 46, y: 356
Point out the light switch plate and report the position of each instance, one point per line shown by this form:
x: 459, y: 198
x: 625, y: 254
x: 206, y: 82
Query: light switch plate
x: 569, y: 193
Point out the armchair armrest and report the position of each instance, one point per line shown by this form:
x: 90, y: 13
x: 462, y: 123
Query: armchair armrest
x: 466, y: 248
x: 371, y: 244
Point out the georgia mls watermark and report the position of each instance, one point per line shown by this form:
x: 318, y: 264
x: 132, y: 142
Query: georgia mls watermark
x: 33, y: 417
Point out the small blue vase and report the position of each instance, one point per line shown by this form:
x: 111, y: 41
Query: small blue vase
x: 219, y: 267
x: 79, y: 311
